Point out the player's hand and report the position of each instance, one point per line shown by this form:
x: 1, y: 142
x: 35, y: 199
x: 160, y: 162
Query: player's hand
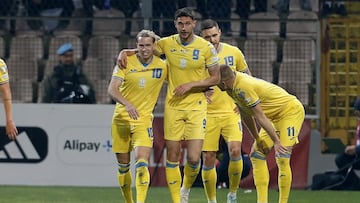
x: 11, y: 130
x: 208, y: 94
x: 236, y: 109
x: 132, y: 111
x: 122, y: 60
x: 262, y: 147
x: 182, y: 89
x: 279, y: 149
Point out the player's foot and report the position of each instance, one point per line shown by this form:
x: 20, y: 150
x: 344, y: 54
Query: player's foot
x: 184, y: 195
x: 231, y: 198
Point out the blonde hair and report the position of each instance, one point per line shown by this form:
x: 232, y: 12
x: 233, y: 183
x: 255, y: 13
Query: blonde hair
x: 147, y: 33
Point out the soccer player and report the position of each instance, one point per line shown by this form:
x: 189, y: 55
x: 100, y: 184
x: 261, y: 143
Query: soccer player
x: 11, y: 130
x: 193, y: 67
x: 280, y: 116
x: 222, y: 118
x: 135, y: 90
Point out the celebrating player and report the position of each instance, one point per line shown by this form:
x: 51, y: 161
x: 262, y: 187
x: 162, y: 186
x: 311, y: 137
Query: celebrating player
x: 222, y: 118
x: 280, y: 116
x: 135, y: 90
x: 193, y: 67
x: 5, y: 90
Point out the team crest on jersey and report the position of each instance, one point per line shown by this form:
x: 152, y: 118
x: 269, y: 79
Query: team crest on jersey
x: 182, y: 63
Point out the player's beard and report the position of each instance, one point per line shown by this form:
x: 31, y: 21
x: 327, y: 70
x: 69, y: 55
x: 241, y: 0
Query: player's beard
x: 185, y: 36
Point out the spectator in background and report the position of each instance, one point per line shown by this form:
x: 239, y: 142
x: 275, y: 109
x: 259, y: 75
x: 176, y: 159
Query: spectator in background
x: 11, y: 130
x: 282, y: 6
x: 351, y: 155
x: 8, y: 8
x: 67, y: 83
x: 48, y: 8
x: 128, y: 7
x: 221, y: 11
x: 164, y: 9
x: 333, y: 7
x: 243, y: 10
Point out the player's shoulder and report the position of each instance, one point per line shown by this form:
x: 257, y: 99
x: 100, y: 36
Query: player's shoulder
x: 230, y: 47
x: 201, y: 40
x: 2, y: 62
x: 159, y: 61
x: 167, y: 39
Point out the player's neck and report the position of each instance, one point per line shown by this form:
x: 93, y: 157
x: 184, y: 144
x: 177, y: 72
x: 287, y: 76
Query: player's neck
x: 218, y: 47
x: 145, y: 61
x: 188, y: 40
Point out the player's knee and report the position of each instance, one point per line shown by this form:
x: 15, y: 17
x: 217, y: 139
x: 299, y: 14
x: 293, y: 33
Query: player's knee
x: 141, y: 163
x: 235, y: 152
x: 209, y: 158
x: 123, y: 167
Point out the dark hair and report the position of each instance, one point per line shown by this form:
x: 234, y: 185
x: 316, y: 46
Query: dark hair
x: 208, y: 23
x: 185, y: 12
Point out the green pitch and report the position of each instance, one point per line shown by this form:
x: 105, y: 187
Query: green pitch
x: 32, y: 194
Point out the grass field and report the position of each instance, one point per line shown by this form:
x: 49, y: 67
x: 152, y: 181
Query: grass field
x: 32, y: 194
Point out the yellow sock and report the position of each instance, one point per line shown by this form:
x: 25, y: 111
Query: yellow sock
x: 209, y: 181
x: 261, y: 176
x: 190, y: 173
x: 124, y: 178
x: 173, y: 179
x: 234, y: 170
x: 142, y: 180
x: 284, y: 177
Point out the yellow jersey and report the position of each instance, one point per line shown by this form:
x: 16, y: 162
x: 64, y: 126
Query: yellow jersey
x: 141, y: 87
x: 249, y: 91
x: 221, y: 102
x: 187, y: 63
x: 4, y: 75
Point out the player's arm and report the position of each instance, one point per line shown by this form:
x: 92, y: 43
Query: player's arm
x: 11, y: 129
x: 122, y: 57
x: 212, y: 80
x: 116, y: 95
x: 250, y: 124
x: 266, y: 124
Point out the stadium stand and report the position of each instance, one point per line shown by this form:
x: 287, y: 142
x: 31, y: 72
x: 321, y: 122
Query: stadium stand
x: 299, y: 50
x: 22, y: 90
x: 306, y: 27
x: 108, y: 22
x: 261, y: 69
x: 98, y: 68
x: 263, y: 24
x: 27, y: 46
x: 103, y: 47
x: 260, y: 50
x: 102, y: 97
x: 21, y: 67
x: 75, y: 27
x: 2, y: 48
x: 295, y: 71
